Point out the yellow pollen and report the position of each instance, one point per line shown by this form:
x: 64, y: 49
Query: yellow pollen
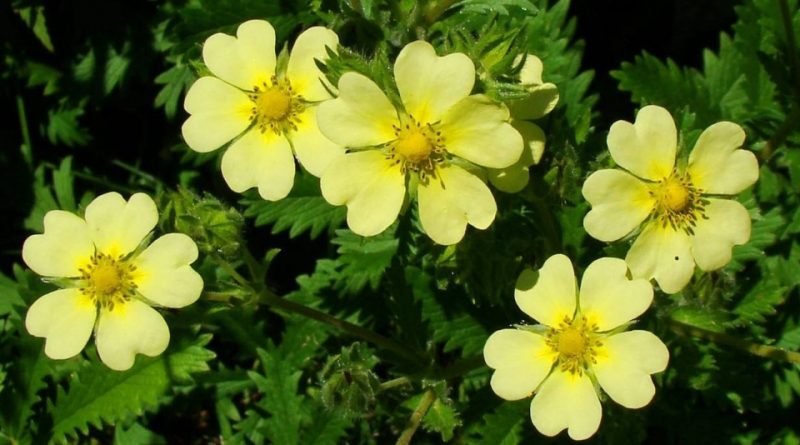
x: 274, y: 104
x: 105, y: 278
x: 571, y: 342
x: 674, y: 196
x: 414, y: 147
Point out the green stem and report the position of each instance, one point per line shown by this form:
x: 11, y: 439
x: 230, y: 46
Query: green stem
x: 760, y: 350
x: 27, y: 147
x: 389, y: 384
x: 416, y: 417
x: 270, y: 298
x: 242, y: 281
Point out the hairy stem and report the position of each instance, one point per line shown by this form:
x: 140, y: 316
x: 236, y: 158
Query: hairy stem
x: 394, y: 383
x: 268, y: 297
x: 27, y: 147
x: 416, y: 417
x: 760, y: 350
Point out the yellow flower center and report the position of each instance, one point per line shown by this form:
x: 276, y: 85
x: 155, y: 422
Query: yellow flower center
x: 571, y: 341
x: 414, y: 147
x: 108, y: 280
x: 274, y: 103
x: 678, y: 203
x: 674, y: 195
x: 418, y: 148
x: 276, y: 107
x: 576, y: 343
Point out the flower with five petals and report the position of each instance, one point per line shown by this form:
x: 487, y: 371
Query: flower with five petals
x: 580, y: 342
x: 687, y: 218
x: 112, y: 280
x: 431, y: 141
x: 268, y: 114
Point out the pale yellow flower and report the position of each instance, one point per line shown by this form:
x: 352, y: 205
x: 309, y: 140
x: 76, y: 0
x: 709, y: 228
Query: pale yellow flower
x: 112, y: 280
x: 542, y: 99
x: 686, y: 219
x: 440, y: 131
x: 268, y: 114
x: 581, y: 342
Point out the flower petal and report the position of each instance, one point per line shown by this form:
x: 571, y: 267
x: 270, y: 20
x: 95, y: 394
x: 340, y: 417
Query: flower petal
x: 130, y: 328
x: 521, y: 359
x: 450, y: 201
x: 307, y: 80
x: 514, y: 178
x: 477, y: 130
x: 63, y: 249
x: 163, y: 272
x: 361, y: 116
x: 219, y: 113
x: 624, y: 366
x: 664, y: 254
x: 118, y: 226
x: 566, y: 401
x: 551, y: 296
x: 371, y: 186
x: 647, y: 147
x: 262, y: 160
x: 620, y: 202
x: 726, y: 224
x: 531, y: 71
x: 247, y: 60
x: 65, y: 318
x: 429, y: 85
x: 717, y: 166
x: 313, y: 150
x: 542, y: 99
x: 608, y: 298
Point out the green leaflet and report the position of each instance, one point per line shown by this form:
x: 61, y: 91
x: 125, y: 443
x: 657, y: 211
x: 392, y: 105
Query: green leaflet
x: 96, y: 395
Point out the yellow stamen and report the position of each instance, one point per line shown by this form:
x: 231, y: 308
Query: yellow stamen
x: 274, y: 104
x: 414, y: 146
x: 571, y: 341
x: 674, y: 195
x: 105, y: 278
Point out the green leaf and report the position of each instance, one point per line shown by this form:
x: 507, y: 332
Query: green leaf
x: 24, y: 380
x: 43, y: 201
x: 136, y: 434
x: 456, y: 331
x: 175, y: 81
x: 280, y: 383
x: 363, y: 260
x: 304, y: 210
x: 503, y: 425
x: 62, y: 185
x: 441, y: 418
x: 98, y: 394
x: 63, y: 126
x: 328, y: 427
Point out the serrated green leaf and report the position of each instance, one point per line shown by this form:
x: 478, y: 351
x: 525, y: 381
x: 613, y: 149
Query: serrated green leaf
x: 63, y: 126
x: 457, y: 331
x: 175, y: 81
x: 99, y: 395
x: 441, y: 418
x: 503, y: 425
x: 25, y: 378
x: 327, y: 428
x: 136, y: 434
x: 43, y: 201
x: 62, y: 185
x: 304, y: 210
x: 363, y: 260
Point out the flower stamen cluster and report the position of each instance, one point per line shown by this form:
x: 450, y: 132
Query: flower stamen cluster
x: 576, y: 342
x: 108, y: 281
x: 678, y: 203
x: 417, y: 148
x: 276, y: 106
